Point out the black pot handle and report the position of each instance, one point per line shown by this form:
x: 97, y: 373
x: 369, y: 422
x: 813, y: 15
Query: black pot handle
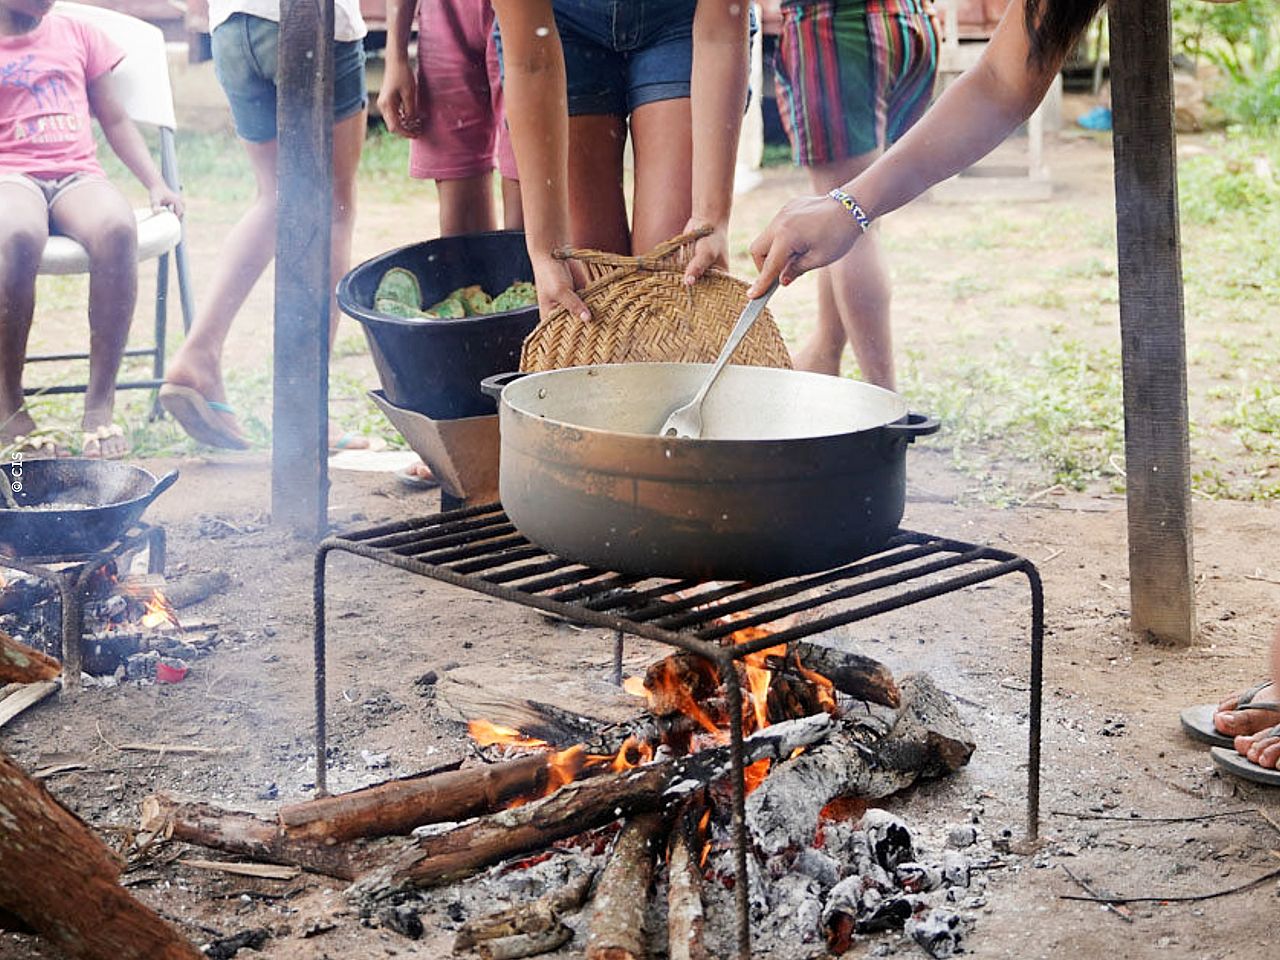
x: 491, y: 386
x: 916, y: 425
x: 163, y: 484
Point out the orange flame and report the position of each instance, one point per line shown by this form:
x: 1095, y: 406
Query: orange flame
x: 159, y: 611
x: 635, y: 687
x: 489, y: 734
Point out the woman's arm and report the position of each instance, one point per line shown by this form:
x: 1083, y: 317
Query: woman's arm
x: 127, y: 142
x: 398, y: 97
x: 718, y: 97
x: 535, y: 97
x: 969, y: 120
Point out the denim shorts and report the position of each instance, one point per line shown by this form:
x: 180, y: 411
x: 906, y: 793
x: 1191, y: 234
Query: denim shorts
x: 622, y: 54
x: 245, y: 60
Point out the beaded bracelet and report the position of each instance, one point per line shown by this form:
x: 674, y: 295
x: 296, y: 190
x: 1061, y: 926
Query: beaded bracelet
x: 852, y: 205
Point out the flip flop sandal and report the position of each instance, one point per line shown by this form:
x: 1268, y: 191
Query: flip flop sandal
x: 356, y: 441
x: 198, y: 416
x: 1197, y: 721
x: 97, y: 437
x: 1229, y: 761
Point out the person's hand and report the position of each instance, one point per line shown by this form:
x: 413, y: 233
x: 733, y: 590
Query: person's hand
x: 557, y: 287
x: 398, y: 100
x: 807, y: 233
x: 165, y: 198
x: 709, y: 251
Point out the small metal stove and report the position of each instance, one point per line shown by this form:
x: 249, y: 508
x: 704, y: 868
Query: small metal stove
x: 72, y: 574
x: 477, y: 548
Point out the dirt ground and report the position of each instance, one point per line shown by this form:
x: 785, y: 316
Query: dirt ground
x: 1112, y: 747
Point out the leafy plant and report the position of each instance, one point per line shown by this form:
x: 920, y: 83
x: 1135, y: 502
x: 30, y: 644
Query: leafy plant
x: 1243, y: 41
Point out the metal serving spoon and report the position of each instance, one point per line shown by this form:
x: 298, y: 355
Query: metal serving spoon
x: 686, y: 419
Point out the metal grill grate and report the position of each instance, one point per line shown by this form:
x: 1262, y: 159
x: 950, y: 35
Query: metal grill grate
x: 477, y: 548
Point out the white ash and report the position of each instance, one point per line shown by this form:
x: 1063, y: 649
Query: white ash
x: 940, y: 933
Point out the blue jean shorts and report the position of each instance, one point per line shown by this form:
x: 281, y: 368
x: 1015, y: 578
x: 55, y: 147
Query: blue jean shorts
x: 622, y: 54
x: 245, y: 60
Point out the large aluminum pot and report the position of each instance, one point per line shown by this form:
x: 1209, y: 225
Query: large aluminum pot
x: 795, y: 472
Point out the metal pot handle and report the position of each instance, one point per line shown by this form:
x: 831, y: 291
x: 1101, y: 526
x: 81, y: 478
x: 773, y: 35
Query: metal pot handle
x: 916, y: 425
x: 163, y: 484
x: 491, y: 386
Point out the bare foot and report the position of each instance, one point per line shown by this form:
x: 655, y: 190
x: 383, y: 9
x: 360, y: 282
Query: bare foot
x: 1263, y: 747
x: 1243, y: 723
x: 202, y: 372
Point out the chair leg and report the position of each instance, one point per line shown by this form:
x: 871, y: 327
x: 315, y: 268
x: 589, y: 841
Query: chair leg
x: 186, y: 298
x: 162, y: 316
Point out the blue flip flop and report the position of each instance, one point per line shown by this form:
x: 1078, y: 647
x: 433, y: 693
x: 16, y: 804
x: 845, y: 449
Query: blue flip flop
x: 199, y: 416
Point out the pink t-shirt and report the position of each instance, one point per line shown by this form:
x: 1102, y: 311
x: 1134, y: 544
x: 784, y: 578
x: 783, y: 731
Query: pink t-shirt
x: 45, y: 124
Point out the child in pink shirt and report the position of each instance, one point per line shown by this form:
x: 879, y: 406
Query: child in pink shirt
x: 55, y: 77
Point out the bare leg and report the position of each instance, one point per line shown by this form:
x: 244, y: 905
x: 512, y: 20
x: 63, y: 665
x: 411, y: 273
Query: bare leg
x: 857, y: 293
x: 98, y: 217
x: 245, y: 253
x: 662, y: 137
x: 597, y: 206
x: 512, y: 212
x: 23, y: 233
x: 348, y: 141
x: 466, y: 205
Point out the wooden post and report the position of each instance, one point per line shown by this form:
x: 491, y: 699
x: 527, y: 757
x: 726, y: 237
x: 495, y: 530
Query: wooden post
x: 299, y: 468
x: 1157, y: 455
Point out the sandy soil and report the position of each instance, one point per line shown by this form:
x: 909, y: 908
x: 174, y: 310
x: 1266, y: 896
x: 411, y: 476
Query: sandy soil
x: 1111, y: 741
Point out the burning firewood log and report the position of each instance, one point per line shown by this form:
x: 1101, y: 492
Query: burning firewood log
x: 927, y: 740
x: 860, y: 677
x: 684, y: 886
x: 573, y: 809
x: 615, y: 929
x: 305, y: 834
x: 62, y: 881
x: 21, y: 664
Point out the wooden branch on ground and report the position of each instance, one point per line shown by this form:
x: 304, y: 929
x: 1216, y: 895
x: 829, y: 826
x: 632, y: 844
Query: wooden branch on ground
x: 928, y: 740
x: 573, y: 809
x: 532, y: 919
x: 21, y: 664
x: 615, y: 929
x: 684, y: 887
x: 28, y: 696
x: 63, y: 881
x: 245, y: 835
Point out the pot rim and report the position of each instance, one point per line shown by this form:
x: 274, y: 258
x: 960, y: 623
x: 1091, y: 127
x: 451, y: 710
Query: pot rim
x: 687, y: 442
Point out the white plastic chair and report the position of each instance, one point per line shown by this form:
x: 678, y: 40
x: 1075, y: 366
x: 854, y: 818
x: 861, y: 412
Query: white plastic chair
x: 142, y: 79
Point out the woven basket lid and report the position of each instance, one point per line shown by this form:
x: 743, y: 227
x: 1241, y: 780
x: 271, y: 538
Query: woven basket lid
x: 643, y: 311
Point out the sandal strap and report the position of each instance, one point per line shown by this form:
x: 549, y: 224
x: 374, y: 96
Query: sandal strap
x: 1245, y: 699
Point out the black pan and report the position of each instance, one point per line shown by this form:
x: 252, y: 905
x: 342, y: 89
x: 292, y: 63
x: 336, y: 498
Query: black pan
x: 101, y: 500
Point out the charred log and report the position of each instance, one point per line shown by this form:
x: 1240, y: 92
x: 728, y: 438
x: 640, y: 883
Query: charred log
x: 927, y: 740
x: 684, y: 886
x: 62, y: 881
x: 244, y: 834
x: 860, y: 677
x: 615, y: 929
x: 573, y: 809
x: 528, y: 919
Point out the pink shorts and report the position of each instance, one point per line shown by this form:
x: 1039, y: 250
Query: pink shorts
x: 464, y: 129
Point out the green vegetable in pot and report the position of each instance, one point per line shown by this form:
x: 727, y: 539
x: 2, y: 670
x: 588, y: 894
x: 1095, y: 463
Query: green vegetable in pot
x: 448, y: 309
x: 399, y: 286
x: 394, y: 308
x: 517, y: 296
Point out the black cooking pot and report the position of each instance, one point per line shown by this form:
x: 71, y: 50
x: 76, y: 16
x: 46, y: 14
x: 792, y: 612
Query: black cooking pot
x: 795, y: 472
x: 434, y: 367
x: 73, y: 506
